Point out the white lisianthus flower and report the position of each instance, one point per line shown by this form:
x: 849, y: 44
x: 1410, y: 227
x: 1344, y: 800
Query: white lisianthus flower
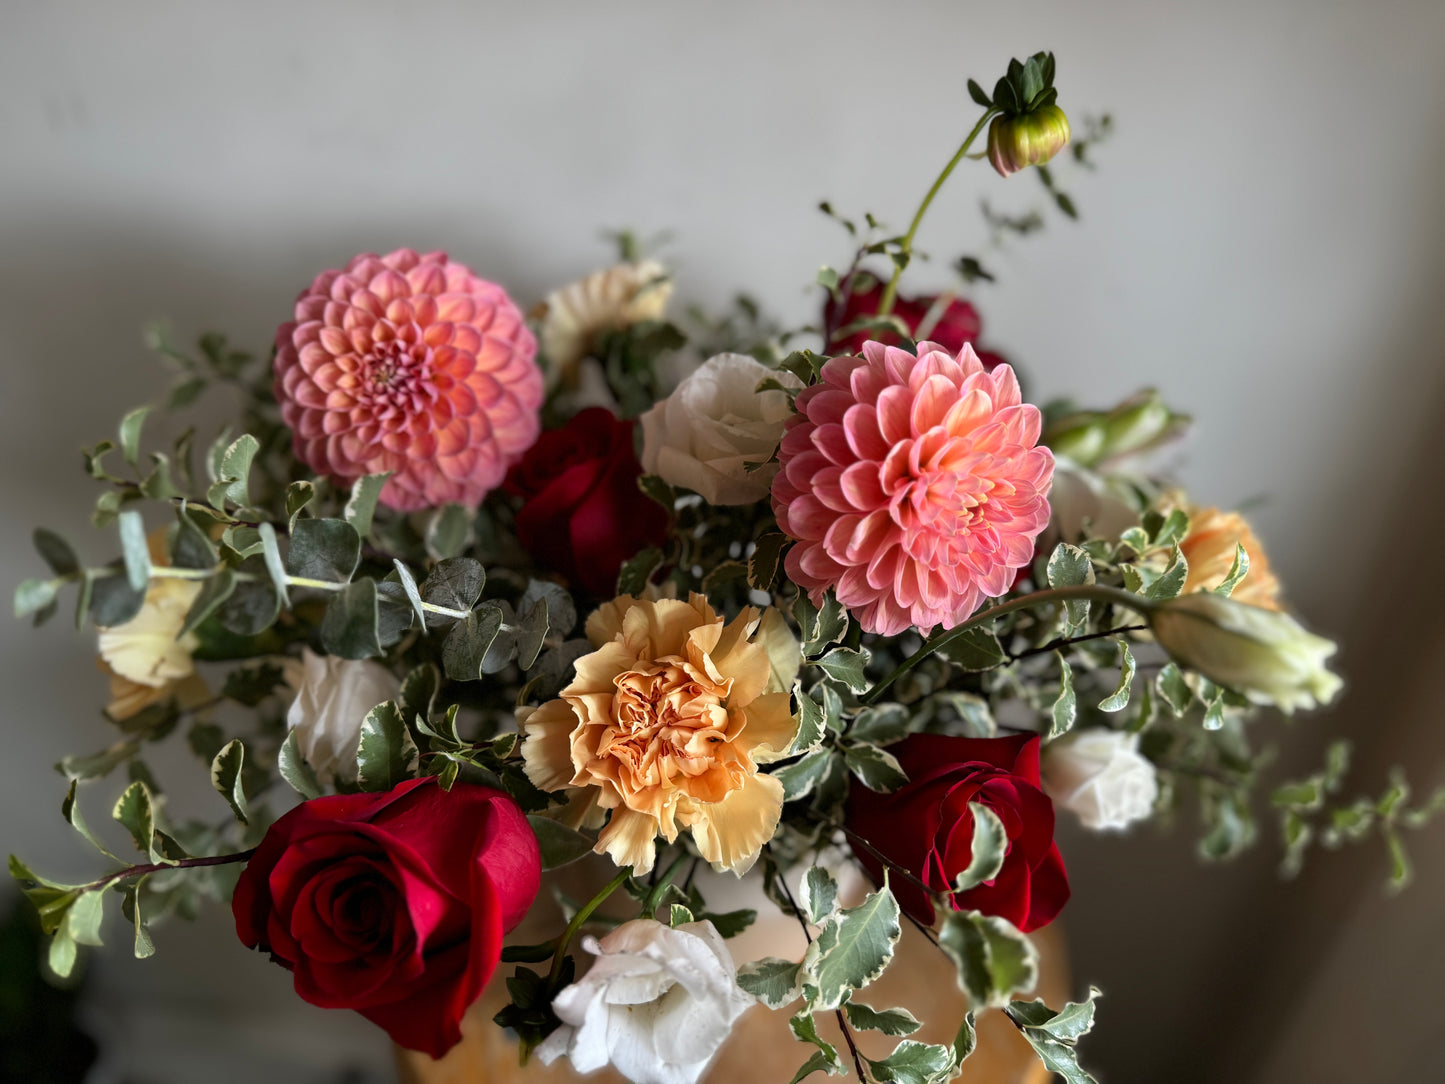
x: 606, y: 300
x: 704, y: 435
x: 1099, y: 776
x: 657, y: 1004
x: 333, y: 697
x: 1263, y: 654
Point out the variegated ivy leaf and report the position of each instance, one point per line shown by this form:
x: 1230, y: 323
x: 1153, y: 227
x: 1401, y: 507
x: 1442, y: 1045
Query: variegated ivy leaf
x: 1173, y: 689
x: 993, y: 958
x: 800, y: 777
x: 893, y: 1022
x: 915, y: 1063
x: 361, y: 505
x: 877, y: 769
x: 820, y: 626
x: 845, y: 665
x: 772, y: 980
x: 990, y: 847
x: 1171, y: 582
x: 880, y: 725
x: 1069, y: 566
x: 818, y: 895
x: 1066, y: 707
x: 386, y: 754
x: 805, y: 1029
x: 1118, y: 700
x: 851, y: 950
x: 810, y: 723
x: 1053, y: 1035
x: 1237, y: 571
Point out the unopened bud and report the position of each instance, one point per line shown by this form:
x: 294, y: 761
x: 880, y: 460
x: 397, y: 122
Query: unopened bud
x: 1017, y: 141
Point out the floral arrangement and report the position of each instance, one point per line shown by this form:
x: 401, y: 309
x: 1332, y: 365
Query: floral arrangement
x: 477, y: 592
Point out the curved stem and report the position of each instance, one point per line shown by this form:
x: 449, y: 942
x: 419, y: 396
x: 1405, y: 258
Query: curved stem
x: 890, y: 292
x: 579, y: 919
x: 1092, y: 592
x: 157, y: 867
x: 649, y: 906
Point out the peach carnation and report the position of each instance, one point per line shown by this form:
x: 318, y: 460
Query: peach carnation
x: 414, y: 365
x: 665, y: 725
x: 913, y: 485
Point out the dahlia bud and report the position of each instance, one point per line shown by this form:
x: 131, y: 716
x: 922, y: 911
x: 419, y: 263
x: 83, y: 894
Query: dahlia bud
x: 1027, y: 139
x: 1263, y: 654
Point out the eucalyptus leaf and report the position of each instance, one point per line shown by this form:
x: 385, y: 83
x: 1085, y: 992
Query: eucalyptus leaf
x: 446, y: 535
x: 251, y: 606
x: 455, y: 584
x: 351, y: 628
x: 271, y: 555
x: 135, y: 551
x: 190, y: 546
x: 323, y: 549
x: 56, y: 552
x: 466, y: 645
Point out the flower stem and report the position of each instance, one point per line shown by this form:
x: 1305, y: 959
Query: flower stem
x: 579, y: 919
x: 1093, y: 592
x: 654, y: 898
x: 157, y: 867
x: 890, y: 292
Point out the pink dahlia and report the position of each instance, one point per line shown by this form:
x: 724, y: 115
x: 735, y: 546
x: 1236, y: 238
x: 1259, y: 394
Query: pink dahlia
x: 414, y: 365
x: 913, y: 485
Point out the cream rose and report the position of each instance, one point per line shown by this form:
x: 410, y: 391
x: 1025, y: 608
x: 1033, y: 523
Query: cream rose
x: 656, y: 1005
x: 333, y: 697
x: 1100, y: 777
x: 704, y: 435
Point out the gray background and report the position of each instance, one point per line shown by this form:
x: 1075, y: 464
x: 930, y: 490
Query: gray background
x: 1261, y: 242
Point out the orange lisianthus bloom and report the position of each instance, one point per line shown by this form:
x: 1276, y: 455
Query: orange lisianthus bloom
x: 1209, y: 548
x: 665, y: 725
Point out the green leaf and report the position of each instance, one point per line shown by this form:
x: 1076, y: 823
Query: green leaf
x: 56, y: 552
x: 852, y: 949
x: 226, y: 777
x: 298, y: 496
x: 408, y: 584
x: 245, y: 540
x: 1169, y: 584
x: 979, y: 95
x: 532, y: 634
x: 418, y: 693
x: 386, y: 755
x: 730, y: 923
x: 190, y: 547
x: 561, y: 610
x: 990, y: 847
x: 135, y: 811
x: 635, y: 573
x: 805, y: 1029
x: 818, y: 896
x: 819, y: 1060
x: 232, y: 473
x: 993, y: 958
x: 145, y: 947
x: 964, y: 1041
x: 678, y: 915
x: 1173, y: 689
x: 766, y: 559
x: 1118, y: 700
x: 351, y: 628
x: 84, y: 917
x: 271, y: 554
x: 914, y: 1063
x: 214, y: 591
x: 880, y: 725
x: 32, y: 596
x: 800, y: 777
x: 889, y: 1021
x: 773, y: 981
x: 50, y: 899
x: 875, y: 768
x: 130, y: 429
x: 1066, y: 707
x: 820, y: 627
x: 294, y: 769
x: 134, y: 549
x: 446, y: 535
x: 466, y: 645
x: 559, y: 844
x: 455, y: 584
x: 975, y: 650
x: 1069, y: 566
x: 71, y: 812
x: 1237, y: 571
x: 324, y: 549
x: 1053, y: 1035
x: 846, y: 665
x: 810, y: 723
x: 95, y: 765
x: 361, y: 506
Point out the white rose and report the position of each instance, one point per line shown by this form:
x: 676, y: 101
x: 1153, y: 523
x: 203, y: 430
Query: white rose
x: 333, y: 697
x: 1099, y: 775
x: 705, y: 433
x: 657, y: 1004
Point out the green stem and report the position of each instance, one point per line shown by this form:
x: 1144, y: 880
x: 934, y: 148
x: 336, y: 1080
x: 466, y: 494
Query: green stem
x: 1092, y: 592
x: 583, y: 914
x: 166, y: 572
x: 649, y: 905
x: 890, y: 292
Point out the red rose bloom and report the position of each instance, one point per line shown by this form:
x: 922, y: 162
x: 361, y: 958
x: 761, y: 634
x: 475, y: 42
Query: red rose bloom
x: 957, y: 323
x: 392, y: 904
x: 926, y: 827
x: 583, y: 515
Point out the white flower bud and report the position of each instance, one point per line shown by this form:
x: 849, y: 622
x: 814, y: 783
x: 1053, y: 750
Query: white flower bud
x: 1099, y: 776
x: 333, y: 697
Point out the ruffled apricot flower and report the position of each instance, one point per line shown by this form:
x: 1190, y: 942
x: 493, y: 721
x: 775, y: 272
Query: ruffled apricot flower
x: 913, y: 485
x: 1209, y: 547
x: 607, y: 300
x: 664, y: 726
x: 411, y: 364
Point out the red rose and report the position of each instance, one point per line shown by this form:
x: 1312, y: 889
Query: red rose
x: 957, y: 321
x: 926, y: 827
x: 392, y: 904
x: 583, y: 515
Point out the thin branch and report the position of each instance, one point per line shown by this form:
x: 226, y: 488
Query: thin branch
x: 157, y: 867
x: 1065, y: 641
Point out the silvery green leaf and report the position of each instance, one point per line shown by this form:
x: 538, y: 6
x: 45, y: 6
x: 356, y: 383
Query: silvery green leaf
x: 914, y: 1063
x: 1237, y: 571
x: 846, y: 665
x: 773, y: 981
x: 990, y: 847
x: 893, y: 1022
x: 95, y: 765
x: 875, y: 768
x: 1173, y: 689
x: 1171, y: 582
x: 271, y: 554
x: 190, y: 546
x: 361, y: 505
x: 294, y: 769
x: 993, y: 958
x: 559, y: 844
x: 832, y: 703
x: 84, y: 917
x: 454, y: 584
x: 34, y: 596
x: 393, y: 612
x: 532, y: 633
x: 810, y: 723
x: 386, y: 755
x: 113, y: 601
x: 1067, y: 1025
x: 975, y: 650
x: 351, y: 628
x: 561, y: 610
x: 818, y: 895
x: 130, y: 430
x: 251, y: 606
x: 1066, y: 707
x: 245, y: 540
x: 1118, y: 700
x: 408, y: 585
x: 323, y: 549
x: 71, y: 812
x: 852, y: 949
x: 880, y: 725
x: 446, y: 535
x: 56, y: 552
x: 800, y: 777
x: 133, y: 548
x: 730, y: 923
x: 298, y: 496
x: 226, y: 771
x: 466, y: 645
x: 972, y: 710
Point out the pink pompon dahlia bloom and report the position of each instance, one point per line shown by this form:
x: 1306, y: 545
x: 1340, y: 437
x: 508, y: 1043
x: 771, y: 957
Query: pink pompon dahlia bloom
x: 411, y: 364
x: 913, y: 485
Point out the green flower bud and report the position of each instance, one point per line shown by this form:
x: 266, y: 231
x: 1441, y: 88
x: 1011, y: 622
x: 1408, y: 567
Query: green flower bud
x: 1140, y: 422
x: 1263, y: 654
x: 1016, y: 141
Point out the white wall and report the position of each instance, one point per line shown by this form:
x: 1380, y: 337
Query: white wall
x: 1261, y: 242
